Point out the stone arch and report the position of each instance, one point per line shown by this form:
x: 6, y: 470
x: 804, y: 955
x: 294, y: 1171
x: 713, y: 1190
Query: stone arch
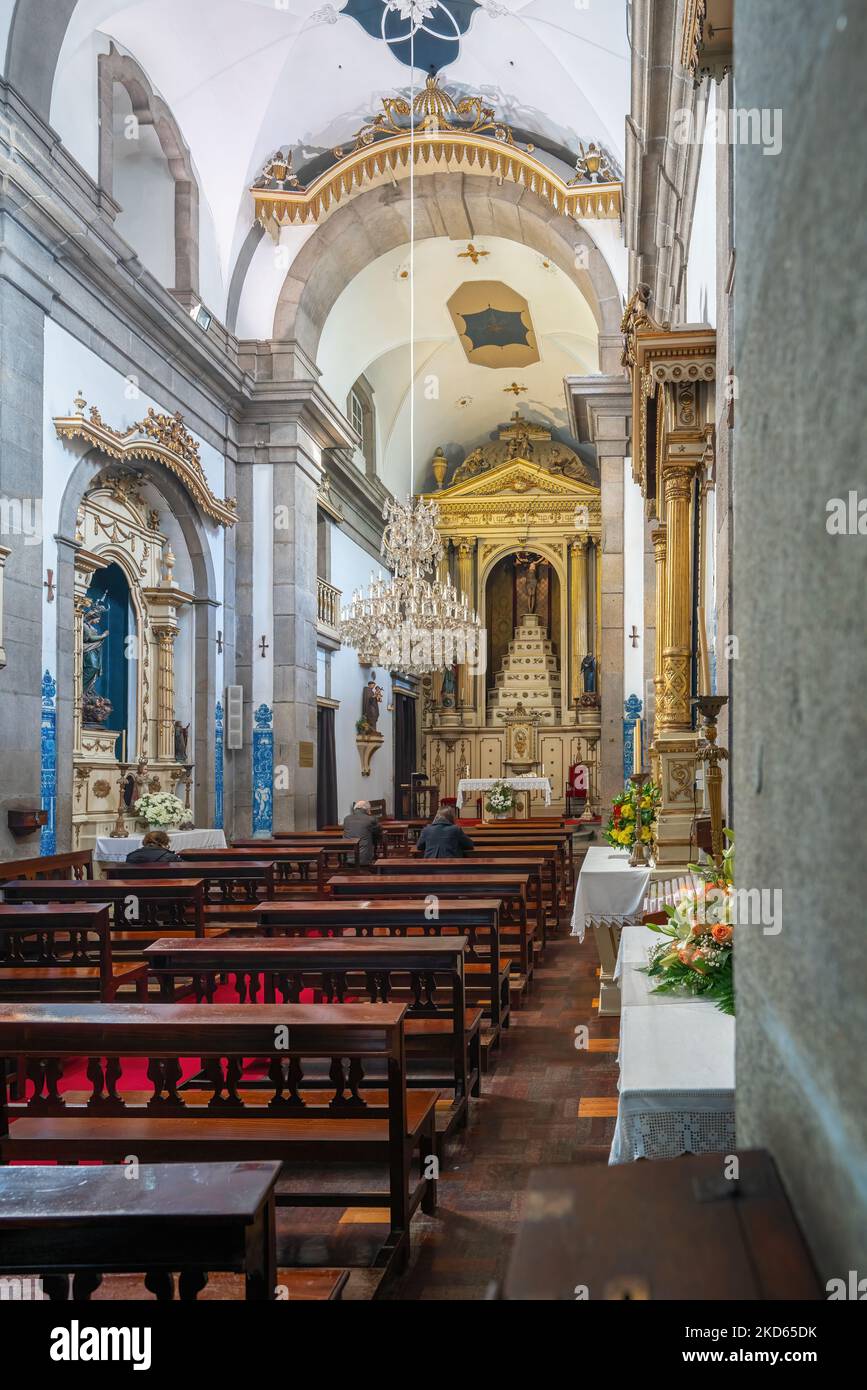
x: 149, y: 109
x: 457, y: 205
x: 36, y: 36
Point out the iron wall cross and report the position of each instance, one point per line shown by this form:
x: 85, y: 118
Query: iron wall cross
x: 264, y: 644
x: 634, y: 635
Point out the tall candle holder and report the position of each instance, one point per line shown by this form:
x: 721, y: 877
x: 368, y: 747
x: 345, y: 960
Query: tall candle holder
x: 120, y: 831
x: 639, y: 857
x: 709, y: 752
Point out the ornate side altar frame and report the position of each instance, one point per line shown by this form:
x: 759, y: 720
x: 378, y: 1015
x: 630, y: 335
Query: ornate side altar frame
x: 115, y: 524
x: 673, y: 375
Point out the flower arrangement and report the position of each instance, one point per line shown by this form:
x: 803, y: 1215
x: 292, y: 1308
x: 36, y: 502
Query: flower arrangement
x: 633, y: 813
x: 697, y: 955
x: 500, y: 800
x: 161, y: 810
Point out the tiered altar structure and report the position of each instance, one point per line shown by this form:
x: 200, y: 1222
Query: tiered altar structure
x: 522, y: 527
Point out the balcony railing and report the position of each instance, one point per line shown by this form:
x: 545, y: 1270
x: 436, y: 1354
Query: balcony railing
x: 327, y: 609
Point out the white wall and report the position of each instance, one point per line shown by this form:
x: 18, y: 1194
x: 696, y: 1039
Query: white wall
x: 701, y: 260
x: 633, y: 584
x: 351, y: 568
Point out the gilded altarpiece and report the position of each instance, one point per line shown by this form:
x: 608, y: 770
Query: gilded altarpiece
x: 522, y: 526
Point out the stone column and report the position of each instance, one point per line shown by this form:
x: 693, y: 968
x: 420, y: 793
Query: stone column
x: 466, y: 548
x: 165, y: 636
x: 579, y: 559
x: 675, y: 740
x: 658, y: 536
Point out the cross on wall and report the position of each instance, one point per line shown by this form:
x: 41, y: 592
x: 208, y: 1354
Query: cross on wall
x: 634, y: 635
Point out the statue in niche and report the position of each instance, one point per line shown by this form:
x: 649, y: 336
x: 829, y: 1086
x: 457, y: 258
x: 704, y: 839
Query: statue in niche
x: 95, y: 709
x: 449, y: 687
x: 370, y: 702
x: 588, y: 671
x: 530, y: 566
x: 182, y: 737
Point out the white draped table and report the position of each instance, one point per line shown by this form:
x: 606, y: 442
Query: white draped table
x: 677, y: 1066
x: 608, y: 888
x: 111, y: 851
x: 518, y: 784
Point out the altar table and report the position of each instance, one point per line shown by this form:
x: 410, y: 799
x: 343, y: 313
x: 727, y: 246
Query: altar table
x: 608, y: 888
x: 677, y: 1066
x: 111, y: 851
x: 518, y: 784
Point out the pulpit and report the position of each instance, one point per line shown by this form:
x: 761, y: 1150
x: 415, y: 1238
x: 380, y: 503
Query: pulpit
x: 418, y: 800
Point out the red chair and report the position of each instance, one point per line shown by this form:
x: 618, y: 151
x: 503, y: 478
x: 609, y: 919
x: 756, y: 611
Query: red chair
x: 577, y: 787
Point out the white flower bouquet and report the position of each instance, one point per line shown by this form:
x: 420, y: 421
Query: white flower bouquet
x: 161, y: 810
x: 501, y: 799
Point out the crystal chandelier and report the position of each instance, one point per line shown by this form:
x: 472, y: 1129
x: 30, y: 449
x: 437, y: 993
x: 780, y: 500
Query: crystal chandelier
x: 412, y: 622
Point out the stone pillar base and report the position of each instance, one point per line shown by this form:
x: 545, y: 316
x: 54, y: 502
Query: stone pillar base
x: 674, y: 826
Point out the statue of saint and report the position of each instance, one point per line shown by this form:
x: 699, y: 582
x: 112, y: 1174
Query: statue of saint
x: 182, y: 736
x: 449, y: 687
x: 370, y: 704
x: 588, y: 671
x: 91, y: 664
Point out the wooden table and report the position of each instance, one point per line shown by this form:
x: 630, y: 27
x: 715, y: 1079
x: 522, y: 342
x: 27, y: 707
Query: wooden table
x: 224, y: 874
x: 189, y: 1217
x: 61, y: 950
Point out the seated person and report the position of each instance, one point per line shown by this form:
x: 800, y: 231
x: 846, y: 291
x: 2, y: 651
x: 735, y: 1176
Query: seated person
x: 363, y: 826
x: 154, y: 850
x: 444, y: 838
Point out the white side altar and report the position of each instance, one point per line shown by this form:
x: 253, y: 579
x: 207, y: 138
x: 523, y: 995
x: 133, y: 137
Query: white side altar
x: 518, y: 784
x: 608, y: 889
x: 109, y: 850
x: 677, y: 1066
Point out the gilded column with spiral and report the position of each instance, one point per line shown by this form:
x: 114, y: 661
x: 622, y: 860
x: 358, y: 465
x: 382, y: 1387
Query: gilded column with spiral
x: 673, y: 709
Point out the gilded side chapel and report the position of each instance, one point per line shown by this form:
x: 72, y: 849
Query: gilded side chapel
x: 431, y: 592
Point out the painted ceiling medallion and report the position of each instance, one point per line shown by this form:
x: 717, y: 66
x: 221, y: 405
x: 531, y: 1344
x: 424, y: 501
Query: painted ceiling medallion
x: 494, y: 324
x: 424, y: 34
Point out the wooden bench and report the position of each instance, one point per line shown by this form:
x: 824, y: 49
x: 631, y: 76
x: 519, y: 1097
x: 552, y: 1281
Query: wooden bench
x: 539, y: 889
x: 483, y: 836
x: 340, y: 966
x: 517, y: 938
x: 310, y: 1108
x: 144, y: 908
x: 231, y: 886
x: 183, y: 1216
x: 339, y: 851
x: 486, y: 970
x: 54, y: 951
x: 76, y: 863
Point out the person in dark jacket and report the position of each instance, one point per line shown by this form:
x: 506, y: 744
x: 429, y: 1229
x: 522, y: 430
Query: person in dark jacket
x: 361, y: 825
x: 444, y: 838
x: 154, y: 850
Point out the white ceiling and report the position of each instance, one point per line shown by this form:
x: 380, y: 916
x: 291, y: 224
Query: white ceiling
x: 243, y: 77
x: 368, y: 332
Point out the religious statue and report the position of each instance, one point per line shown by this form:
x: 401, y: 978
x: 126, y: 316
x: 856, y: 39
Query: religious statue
x: 474, y: 463
x: 370, y: 702
x: 531, y: 578
x: 182, y: 735
x: 449, y: 687
x: 91, y: 664
x: 588, y: 671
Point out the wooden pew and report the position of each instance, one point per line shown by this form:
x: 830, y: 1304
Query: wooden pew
x: 76, y: 864
x: 238, y: 882
x: 483, y: 835
x: 517, y: 941
x: 553, y: 867
x: 338, y: 850
x: 62, y: 951
x: 177, y: 1216
x: 540, y: 891
x: 337, y: 967
x: 157, y: 904
x: 308, y: 1110
x: 486, y: 970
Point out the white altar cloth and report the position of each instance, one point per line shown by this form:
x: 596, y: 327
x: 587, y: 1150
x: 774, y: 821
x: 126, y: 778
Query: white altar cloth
x: 608, y: 888
x: 519, y: 784
x: 110, y: 851
x: 677, y: 1067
